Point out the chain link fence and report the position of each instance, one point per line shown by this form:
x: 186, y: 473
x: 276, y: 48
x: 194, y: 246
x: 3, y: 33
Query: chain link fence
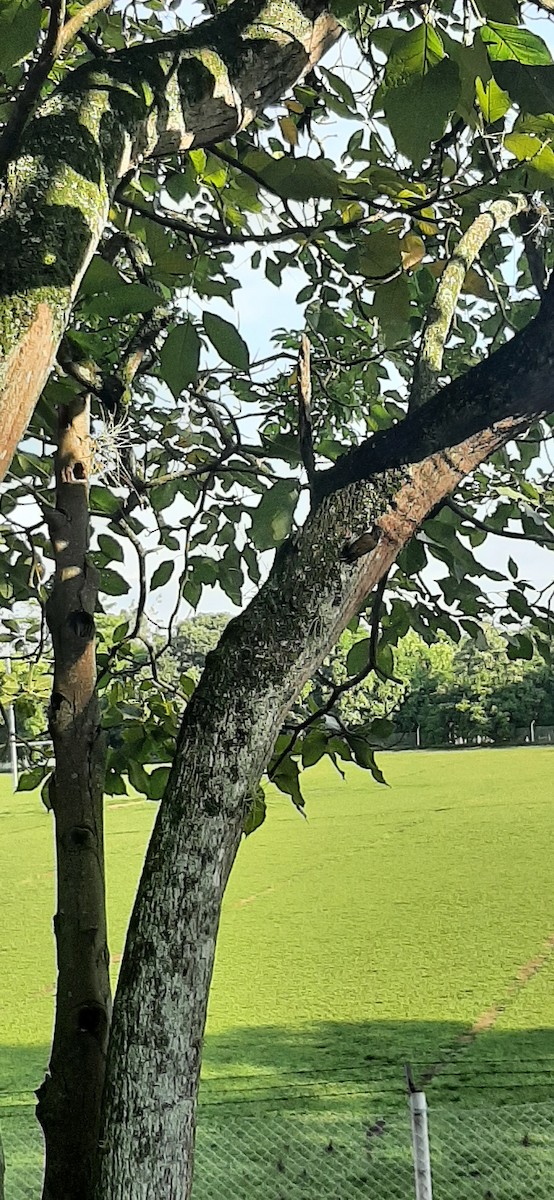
x: 250, y: 1151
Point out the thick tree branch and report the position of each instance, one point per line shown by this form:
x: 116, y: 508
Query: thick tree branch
x: 442, y: 311
x: 504, y: 394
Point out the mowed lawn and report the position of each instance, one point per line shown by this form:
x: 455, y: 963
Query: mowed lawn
x: 409, y: 922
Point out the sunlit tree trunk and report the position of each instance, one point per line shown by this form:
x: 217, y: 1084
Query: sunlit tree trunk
x: 69, y: 1098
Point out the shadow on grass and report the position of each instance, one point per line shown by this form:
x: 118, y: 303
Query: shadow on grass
x: 318, y: 1112
x: 325, y: 1059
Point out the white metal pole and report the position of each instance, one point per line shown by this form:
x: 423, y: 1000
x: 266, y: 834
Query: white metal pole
x: 420, y: 1146
x: 12, y: 734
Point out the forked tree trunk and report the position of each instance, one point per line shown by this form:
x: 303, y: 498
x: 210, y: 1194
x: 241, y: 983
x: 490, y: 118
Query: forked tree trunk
x: 249, y: 682
x: 69, y: 1099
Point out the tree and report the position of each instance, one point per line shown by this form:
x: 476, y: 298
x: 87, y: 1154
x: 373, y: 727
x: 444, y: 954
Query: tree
x: 139, y: 157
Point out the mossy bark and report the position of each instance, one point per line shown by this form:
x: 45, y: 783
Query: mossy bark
x: 69, y: 1099
x: 249, y: 682
x: 152, y: 99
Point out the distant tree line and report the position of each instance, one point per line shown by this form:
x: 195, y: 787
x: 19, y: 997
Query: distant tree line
x: 450, y: 693
x: 468, y: 691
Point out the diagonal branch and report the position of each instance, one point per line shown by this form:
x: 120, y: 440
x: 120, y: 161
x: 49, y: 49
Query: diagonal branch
x: 220, y: 237
x: 442, y: 312
x: 80, y: 18
x: 500, y: 397
x: 538, y: 538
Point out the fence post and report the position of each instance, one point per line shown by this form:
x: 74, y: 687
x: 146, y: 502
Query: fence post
x: 420, y: 1141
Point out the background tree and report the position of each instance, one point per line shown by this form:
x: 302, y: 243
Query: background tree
x: 142, y: 158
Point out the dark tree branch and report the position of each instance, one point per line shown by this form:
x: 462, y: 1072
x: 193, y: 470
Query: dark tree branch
x: 38, y: 74
x: 220, y: 237
x: 486, y: 527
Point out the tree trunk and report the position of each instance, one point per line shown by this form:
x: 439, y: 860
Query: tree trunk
x: 69, y: 1099
x: 180, y: 92
x: 264, y: 658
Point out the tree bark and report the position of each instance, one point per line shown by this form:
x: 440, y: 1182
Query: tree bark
x: 264, y: 658
x: 153, y: 99
x: 69, y: 1098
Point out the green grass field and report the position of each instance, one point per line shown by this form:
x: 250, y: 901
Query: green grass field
x: 409, y: 922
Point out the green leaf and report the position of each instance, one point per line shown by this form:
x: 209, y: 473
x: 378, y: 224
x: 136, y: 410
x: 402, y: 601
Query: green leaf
x: 29, y: 780
x: 162, y: 574
x: 287, y: 779
x: 100, y: 276
x: 301, y: 178
x: 164, y: 495
x: 257, y: 813
x: 45, y: 792
x: 520, y: 646
x: 157, y: 782
x: 139, y: 778
x: 179, y: 357
x: 123, y: 300
x: 419, y: 110
x: 227, y: 341
x: 528, y: 148
x: 493, y: 102
x: 112, y: 583
x: 272, y: 519
x: 505, y: 42
x: 376, y: 255
x: 112, y: 549
x: 102, y: 501
x: 413, y: 557
x: 230, y: 574
x: 364, y: 755
x: 412, y: 55
x: 530, y: 87
x: 19, y: 28
x: 314, y: 746
x: 358, y: 656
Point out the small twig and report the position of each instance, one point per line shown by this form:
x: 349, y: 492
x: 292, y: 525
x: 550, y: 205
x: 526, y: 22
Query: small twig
x: 220, y: 237
x: 340, y: 688
x: 505, y: 533
x: 304, y: 390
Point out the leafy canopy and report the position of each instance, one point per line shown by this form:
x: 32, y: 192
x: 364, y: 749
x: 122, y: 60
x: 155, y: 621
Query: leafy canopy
x: 348, y: 199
